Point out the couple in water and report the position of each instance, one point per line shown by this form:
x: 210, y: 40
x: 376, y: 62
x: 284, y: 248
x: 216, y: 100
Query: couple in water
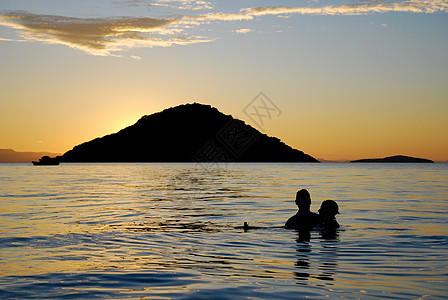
x: 307, y: 220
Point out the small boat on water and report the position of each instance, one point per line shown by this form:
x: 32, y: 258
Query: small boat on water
x: 46, y: 161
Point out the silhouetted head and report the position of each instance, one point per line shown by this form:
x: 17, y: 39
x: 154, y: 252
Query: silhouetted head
x: 303, y: 199
x: 329, y: 209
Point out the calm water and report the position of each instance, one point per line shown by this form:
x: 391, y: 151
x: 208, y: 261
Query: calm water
x: 167, y: 231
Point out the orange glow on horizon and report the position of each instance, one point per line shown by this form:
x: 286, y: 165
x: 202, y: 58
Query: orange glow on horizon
x: 323, y: 138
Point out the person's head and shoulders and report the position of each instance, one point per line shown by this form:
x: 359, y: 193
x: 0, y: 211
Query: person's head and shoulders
x: 304, y: 218
x: 327, y: 215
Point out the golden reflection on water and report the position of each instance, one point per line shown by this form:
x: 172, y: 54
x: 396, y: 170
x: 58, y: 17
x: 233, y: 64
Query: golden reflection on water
x: 181, y: 218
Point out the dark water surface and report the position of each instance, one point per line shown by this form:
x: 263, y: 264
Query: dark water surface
x: 168, y: 231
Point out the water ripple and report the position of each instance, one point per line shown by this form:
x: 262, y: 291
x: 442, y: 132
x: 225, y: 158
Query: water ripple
x: 171, y: 231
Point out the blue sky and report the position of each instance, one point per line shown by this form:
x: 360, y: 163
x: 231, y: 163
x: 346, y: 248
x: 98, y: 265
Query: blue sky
x: 353, y: 78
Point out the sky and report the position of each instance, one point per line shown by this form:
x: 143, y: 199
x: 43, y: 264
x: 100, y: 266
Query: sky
x: 339, y: 80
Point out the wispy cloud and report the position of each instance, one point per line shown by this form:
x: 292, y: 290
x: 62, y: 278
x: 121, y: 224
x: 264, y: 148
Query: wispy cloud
x: 136, y: 57
x: 243, y: 30
x: 11, y: 40
x: 184, y: 4
x: 413, y: 6
x: 109, y: 36
x: 175, y: 4
x: 369, y: 7
x: 99, y: 36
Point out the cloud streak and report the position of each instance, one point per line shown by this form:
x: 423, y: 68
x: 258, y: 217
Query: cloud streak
x: 184, y: 4
x: 99, y: 36
x: 426, y: 6
x: 175, y: 4
x: 109, y: 36
x: 243, y: 30
x: 371, y: 7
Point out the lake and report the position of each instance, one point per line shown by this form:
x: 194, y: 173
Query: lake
x: 162, y: 231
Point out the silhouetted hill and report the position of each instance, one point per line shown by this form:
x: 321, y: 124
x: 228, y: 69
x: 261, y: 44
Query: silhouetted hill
x: 11, y: 156
x: 396, y: 159
x: 186, y: 133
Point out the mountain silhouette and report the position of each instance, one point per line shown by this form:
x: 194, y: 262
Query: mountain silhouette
x: 395, y: 159
x: 186, y: 133
x: 11, y: 156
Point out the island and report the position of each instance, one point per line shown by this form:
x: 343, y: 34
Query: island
x: 394, y: 159
x: 186, y: 133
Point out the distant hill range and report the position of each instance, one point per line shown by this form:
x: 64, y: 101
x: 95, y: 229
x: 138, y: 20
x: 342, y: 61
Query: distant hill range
x: 186, y: 133
x: 394, y: 159
x: 11, y: 156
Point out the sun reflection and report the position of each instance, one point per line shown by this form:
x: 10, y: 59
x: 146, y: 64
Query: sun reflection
x: 122, y: 222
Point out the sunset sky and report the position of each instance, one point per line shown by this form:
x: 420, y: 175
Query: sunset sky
x: 351, y: 79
